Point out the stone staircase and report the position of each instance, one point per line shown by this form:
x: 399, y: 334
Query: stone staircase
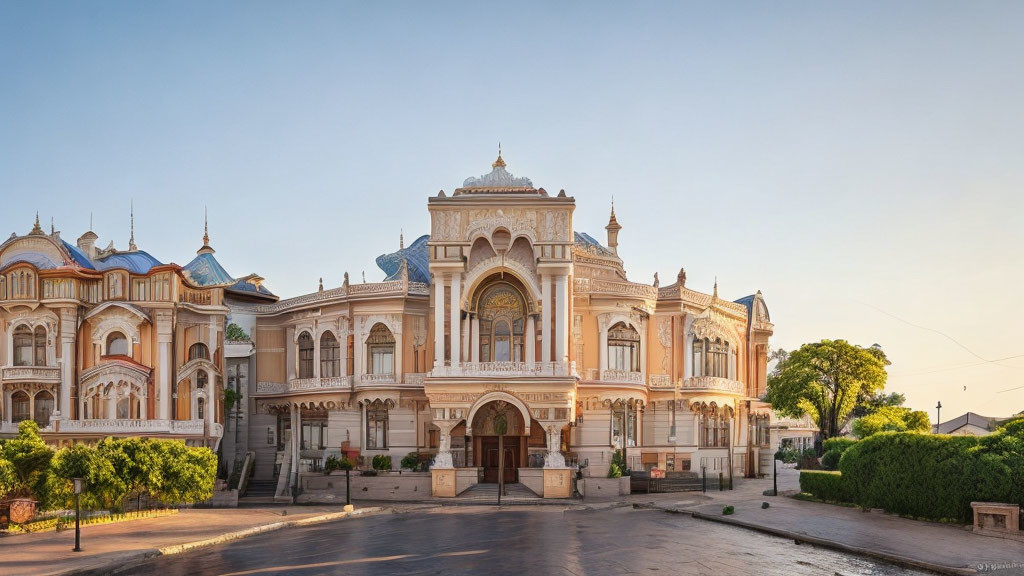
x: 488, y: 494
x: 259, y: 491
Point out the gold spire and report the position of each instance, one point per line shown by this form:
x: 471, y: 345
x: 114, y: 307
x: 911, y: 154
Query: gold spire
x: 36, y: 229
x: 499, y: 161
x: 131, y: 240
x: 612, y: 222
x: 206, y: 229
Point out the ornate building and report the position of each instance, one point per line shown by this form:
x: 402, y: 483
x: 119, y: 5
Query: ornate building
x: 506, y: 318
x: 103, y: 342
x: 504, y: 321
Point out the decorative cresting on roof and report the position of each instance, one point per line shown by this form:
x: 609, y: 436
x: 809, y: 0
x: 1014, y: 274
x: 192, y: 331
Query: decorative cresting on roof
x: 498, y: 181
x: 712, y: 325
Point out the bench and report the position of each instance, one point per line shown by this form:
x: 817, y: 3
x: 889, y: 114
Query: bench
x: 997, y: 519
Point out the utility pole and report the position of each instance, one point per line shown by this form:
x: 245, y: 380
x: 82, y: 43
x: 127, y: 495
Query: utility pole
x: 938, y: 416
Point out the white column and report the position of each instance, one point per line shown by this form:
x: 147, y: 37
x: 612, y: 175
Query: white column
x: 399, y: 345
x: 602, y: 350
x: 561, y: 319
x: 316, y: 353
x: 545, y: 318
x: 143, y: 401
x: 296, y: 443
x: 111, y: 406
x: 467, y: 338
x: 165, y: 393
x: 343, y: 344
x: 456, y: 343
x: 474, y: 350
x: 67, y: 359
x: 439, y: 282
x: 531, y: 340
x: 289, y: 347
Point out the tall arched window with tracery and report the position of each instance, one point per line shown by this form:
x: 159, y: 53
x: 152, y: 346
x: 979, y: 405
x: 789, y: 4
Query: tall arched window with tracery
x: 623, y: 348
x: 710, y: 357
x: 380, y: 347
x: 23, y: 355
x: 502, y: 315
x: 305, y: 355
x: 330, y: 356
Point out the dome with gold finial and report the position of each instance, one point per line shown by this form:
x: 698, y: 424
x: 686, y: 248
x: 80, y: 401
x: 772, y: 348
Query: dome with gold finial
x: 498, y: 181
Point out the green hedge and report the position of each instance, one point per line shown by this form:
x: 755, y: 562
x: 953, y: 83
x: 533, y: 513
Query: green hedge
x: 839, y: 443
x: 823, y: 485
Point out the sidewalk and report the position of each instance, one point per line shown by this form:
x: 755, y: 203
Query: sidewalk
x: 942, y: 548
x: 108, y: 546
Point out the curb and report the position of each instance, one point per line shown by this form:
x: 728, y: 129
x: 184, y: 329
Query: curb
x: 800, y: 538
x: 129, y: 561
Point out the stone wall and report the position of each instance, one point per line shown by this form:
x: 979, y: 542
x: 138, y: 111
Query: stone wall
x: 391, y: 486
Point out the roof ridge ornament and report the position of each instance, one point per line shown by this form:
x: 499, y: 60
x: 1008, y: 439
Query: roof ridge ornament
x: 499, y: 161
x: 131, y: 239
x: 36, y: 229
x: 498, y: 180
x: 206, y: 248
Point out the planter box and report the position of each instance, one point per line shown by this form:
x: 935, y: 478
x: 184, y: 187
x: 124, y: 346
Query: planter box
x: 407, y: 486
x: 594, y: 487
x: 558, y: 482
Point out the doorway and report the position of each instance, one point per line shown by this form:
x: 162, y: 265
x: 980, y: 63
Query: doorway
x: 490, y: 458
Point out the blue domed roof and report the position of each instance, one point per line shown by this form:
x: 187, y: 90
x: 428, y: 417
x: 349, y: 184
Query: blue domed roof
x: 204, y: 270
x: 78, y: 256
x: 587, y: 241
x: 416, y: 255
x: 136, y: 262
x: 245, y: 285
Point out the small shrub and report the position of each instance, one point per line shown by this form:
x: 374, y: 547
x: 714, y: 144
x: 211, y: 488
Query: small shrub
x: 840, y: 443
x: 331, y: 464
x: 410, y: 461
x: 827, y: 486
x: 619, y: 459
x: 830, y: 460
x: 728, y: 511
x: 614, y: 471
x: 788, y: 454
x: 809, y: 460
x: 381, y: 462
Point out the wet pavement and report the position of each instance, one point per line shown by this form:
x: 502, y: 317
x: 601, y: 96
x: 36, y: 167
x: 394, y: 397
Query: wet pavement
x: 532, y: 540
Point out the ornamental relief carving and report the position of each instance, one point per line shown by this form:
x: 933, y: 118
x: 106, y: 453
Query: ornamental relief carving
x: 34, y: 319
x: 516, y: 221
x: 665, y: 339
x: 117, y: 319
x: 392, y: 321
x: 446, y: 225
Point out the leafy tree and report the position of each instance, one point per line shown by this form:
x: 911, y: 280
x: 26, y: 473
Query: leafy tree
x: 871, y: 403
x: 30, y: 459
x: 891, y: 419
x: 102, y: 489
x: 7, y: 477
x: 825, y: 379
x: 136, y: 463
x: 235, y: 333
x: 188, y: 473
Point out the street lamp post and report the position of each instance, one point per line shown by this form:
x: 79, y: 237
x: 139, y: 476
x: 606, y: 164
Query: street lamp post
x: 79, y: 484
x: 938, y: 416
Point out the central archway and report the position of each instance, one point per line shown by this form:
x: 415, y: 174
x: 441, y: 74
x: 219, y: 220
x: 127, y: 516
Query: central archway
x: 500, y: 431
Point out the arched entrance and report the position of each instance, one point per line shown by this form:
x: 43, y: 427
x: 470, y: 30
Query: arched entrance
x: 499, y: 438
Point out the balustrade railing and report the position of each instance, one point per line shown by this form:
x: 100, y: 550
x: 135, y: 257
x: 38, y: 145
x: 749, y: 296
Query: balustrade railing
x: 660, y: 381
x: 713, y: 383
x: 623, y: 376
x: 500, y: 369
x: 377, y: 379
x: 33, y: 373
x: 305, y: 385
x: 133, y: 426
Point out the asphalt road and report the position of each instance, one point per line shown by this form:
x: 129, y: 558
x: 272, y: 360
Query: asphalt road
x: 536, y: 540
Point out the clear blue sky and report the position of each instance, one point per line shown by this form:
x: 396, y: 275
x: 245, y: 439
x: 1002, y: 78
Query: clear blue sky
x: 837, y: 156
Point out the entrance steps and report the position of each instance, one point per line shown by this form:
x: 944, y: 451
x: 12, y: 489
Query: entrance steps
x: 488, y: 494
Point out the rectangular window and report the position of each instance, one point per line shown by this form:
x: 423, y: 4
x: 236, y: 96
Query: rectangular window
x: 383, y: 358
x: 314, y: 434
x: 376, y: 428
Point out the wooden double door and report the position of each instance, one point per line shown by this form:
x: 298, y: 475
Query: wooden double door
x: 511, y: 445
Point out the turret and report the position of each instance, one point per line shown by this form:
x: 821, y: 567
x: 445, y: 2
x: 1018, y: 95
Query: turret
x: 613, y: 228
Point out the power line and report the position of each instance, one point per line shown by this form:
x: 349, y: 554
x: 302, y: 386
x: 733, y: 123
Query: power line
x: 939, y: 332
x: 961, y: 366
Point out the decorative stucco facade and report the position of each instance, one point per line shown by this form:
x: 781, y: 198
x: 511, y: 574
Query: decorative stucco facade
x: 503, y: 321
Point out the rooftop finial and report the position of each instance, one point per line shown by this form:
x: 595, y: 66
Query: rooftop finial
x: 716, y: 288
x: 131, y: 240
x: 401, y: 239
x: 53, y: 230
x: 206, y: 228
x: 499, y: 161
x: 321, y: 289
x: 36, y: 229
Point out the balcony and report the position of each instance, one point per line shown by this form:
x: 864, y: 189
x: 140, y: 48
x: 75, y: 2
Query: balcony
x: 623, y: 377
x: 43, y: 374
x: 712, y: 384
x: 660, y: 382
x: 183, y: 427
x: 333, y: 383
x: 506, y: 370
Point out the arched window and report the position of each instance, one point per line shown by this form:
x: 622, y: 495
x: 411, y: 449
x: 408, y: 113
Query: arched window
x: 201, y: 409
x: 198, y: 350
x: 330, y: 356
x: 715, y: 427
x: 202, y: 379
x: 23, y: 355
x: 305, y: 355
x: 381, y: 347
x: 502, y: 315
x: 117, y: 344
x: 20, y: 406
x: 710, y: 357
x: 40, y: 346
x: 623, y: 348
x: 124, y: 409
x: 43, y: 408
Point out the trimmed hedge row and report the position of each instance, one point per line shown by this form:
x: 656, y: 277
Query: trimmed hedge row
x: 927, y: 476
x: 823, y: 485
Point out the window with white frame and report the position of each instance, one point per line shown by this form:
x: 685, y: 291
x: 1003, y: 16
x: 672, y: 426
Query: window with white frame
x: 381, y: 347
x: 377, y: 426
x: 710, y: 357
x: 305, y: 355
x: 623, y: 348
x: 117, y: 344
x: 330, y: 356
x: 623, y: 424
